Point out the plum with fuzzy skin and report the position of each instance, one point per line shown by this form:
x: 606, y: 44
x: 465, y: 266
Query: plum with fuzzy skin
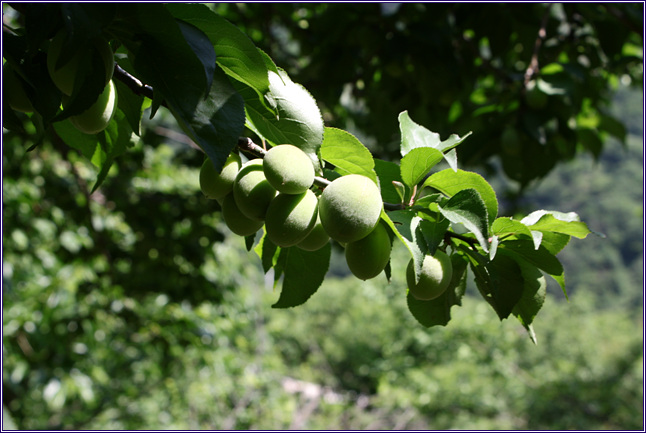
x: 316, y: 239
x: 291, y: 217
x: 236, y: 221
x: 96, y: 118
x: 436, y: 275
x: 350, y: 207
x: 288, y: 169
x: 251, y: 190
x: 216, y: 185
x: 368, y: 256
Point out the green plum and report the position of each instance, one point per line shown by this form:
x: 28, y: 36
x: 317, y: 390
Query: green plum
x: 291, y: 217
x: 216, y: 185
x: 436, y: 275
x: 96, y: 118
x: 350, y: 207
x: 368, y: 256
x: 288, y: 169
x: 316, y: 239
x: 237, y: 222
x: 252, y: 191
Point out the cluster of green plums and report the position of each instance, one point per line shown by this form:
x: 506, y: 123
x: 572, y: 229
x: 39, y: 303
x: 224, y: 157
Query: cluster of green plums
x: 277, y: 192
x: 97, y: 117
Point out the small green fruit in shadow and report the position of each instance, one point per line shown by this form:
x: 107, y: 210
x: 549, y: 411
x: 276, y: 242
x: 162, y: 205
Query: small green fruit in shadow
x: 436, y: 275
x: 535, y: 97
x: 291, y: 217
x: 252, y: 191
x: 350, y: 207
x: 236, y: 221
x: 96, y: 118
x: 288, y: 169
x: 367, y: 257
x: 316, y: 239
x: 216, y: 185
x: 14, y: 92
x: 64, y: 75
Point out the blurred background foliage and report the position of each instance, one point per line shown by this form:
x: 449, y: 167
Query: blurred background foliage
x: 135, y: 307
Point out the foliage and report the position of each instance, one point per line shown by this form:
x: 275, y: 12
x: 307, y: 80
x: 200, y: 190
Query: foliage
x: 460, y: 67
x: 128, y: 304
x: 212, y: 79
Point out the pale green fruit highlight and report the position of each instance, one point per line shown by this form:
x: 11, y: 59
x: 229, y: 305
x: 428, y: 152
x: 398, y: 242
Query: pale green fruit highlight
x: 216, y: 185
x: 435, y: 277
x: 288, y: 169
x: 252, y: 191
x: 367, y: 257
x: 14, y: 91
x: 350, y: 207
x: 96, y: 118
x: 316, y: 239
x: 65, y: 75
x: 291, y: 217
x: 236, y: 221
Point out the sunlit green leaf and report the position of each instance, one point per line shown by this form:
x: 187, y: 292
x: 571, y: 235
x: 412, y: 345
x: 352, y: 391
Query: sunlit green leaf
x: 347, y: 153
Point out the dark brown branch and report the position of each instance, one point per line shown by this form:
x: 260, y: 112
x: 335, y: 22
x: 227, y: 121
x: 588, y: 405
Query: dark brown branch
x: 132, y: 82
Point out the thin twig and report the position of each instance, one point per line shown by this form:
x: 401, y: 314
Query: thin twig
x: 533, y: 67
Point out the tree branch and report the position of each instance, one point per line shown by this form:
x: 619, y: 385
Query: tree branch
x: 533, y: 67
x: 245, y: 144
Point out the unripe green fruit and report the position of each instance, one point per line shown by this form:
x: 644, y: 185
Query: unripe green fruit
x: 96, y: 118
x: 252, y: 191
x: 236, y: 221
x: 435, y: 277
x: 510, y: 142
x: 291, y: 217
x: 535, y: 97
x: 14, y: 91
x: 350, y: 207
x: 316, y: 239
x: 369, y: 256
x: 65, y: 75
x: 216, y: 185
x: 288, y: 169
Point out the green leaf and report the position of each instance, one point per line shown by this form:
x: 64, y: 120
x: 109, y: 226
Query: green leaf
x: 532, y: 299
x: 405, y: 225
x: 418, y: 163
x: 415, y: 136
x: 557, y: 222
x: 387, y: 172
x: 499, y: 281
x: 297, y: 120
x: 542, y: 258
x: 554, y: 242
x: 451, y: 182
x: 102, y: 148
x: 466, y: 207
x: 304, y: 272
x: 131, y: 104
x: 213, y: 116
x: 433, y: 233
x: 438, y: 311
x: 268, y: 253
x: 236, y: 53
x: 347, y: 153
